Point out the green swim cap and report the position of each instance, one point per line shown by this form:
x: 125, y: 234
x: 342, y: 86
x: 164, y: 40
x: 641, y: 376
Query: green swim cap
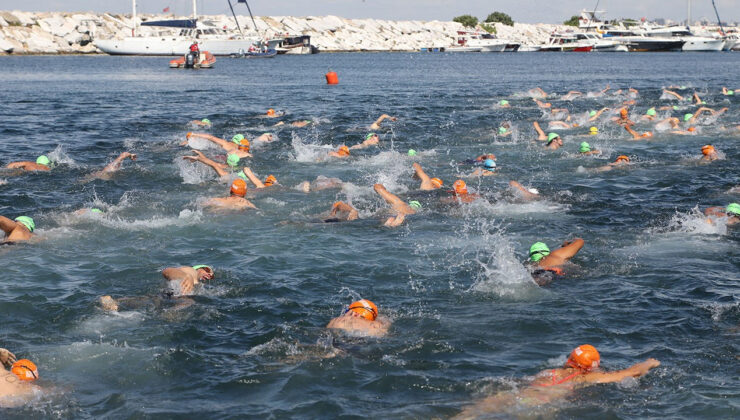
x: 205, y: 121
x: 703, y: 102
x: 585, y: 147
x: 242, y: 175
x: 502, y: 130
x: 687, y: 117
x: 232, y: 159
x: 730, y: 92
x: 551, y: 137
x: 734, y: 209
x: 538, y: 250
x: 367, y: 137
x: 43, y: 160
x: 591, y: 113
x: 683, y: 87
x: 650, y: 112
x: 675, y: 107
x: 503, y: 102
x: 237, y: 138
x: 196, y: 267
x: 27, y: 222
x: 96, y: 211
x: 412, y: 152
x: 415, y: 204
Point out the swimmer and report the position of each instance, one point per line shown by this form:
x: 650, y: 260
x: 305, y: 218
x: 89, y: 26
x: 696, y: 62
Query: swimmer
x: 42, y: 164
x: 548, y: 263
x: 580, y: 370
x: 621, y: 161
x: 697, y: 100
x: 732, y: 212
x: 594, y: 115
x: 341, y: 153
x: 296, y: 124
x: 89, y: 211
x: 460, y: 193
x: 20, y: 229
x: 572, y: 95
x: 272, y: 114
x: 504, y: 104
x: 232, y: 160
x: 265, y: 138
x: 504, y: 129
x: 248, y: 174
x: 649, y: 115
x: 371, y: 139
x: 672, y: 93
x: 585, y: 149
x: 235, y: 200
x: 528, y: 194
x: 537, y: 93
x: 178, y: 282
x: 542, y: 105
x: 691, y: 118
x: 488, y: 169
x: 401, y: 208
x: 709, y: 153
x: 553, y: 141
x: 600, y: 93
x: 623, y: 118
x: 111, y: 168
x: 540, y: 134
x: 667, y: 124
x: 638, y: 136
x: 727, y: 92
x: 376, y: 124
x: 205, y: 122
x: 560, y: 124
x: 342, y: 212
x: 320, y: 183
x: 361, y: 318
x: 427, y: 183
x: 16, y: 377
x: 234, y: 146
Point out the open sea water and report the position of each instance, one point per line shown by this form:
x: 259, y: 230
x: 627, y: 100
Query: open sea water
x: 654, y: 279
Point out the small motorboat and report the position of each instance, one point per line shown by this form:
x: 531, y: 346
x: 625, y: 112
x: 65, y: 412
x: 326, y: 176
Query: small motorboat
x: 268, y: 53
x: 189, y: 61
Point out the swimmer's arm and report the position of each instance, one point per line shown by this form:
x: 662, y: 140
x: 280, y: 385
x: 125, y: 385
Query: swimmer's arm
x: 426, y: 182
x: 249, y: 204
x: 174, y: 273
x: 257, y: 183
x: 598, y: 114
x: 206, y: 161
x: 527, y: 195
x: 606, y: 89
x: 352, y: 213
x: 559, y: 124
x: 542, y: 104
x: 376, y: 124
x: 397, y: 220
x: 697, y: 99
x: 633, y: 90
x: 634, y: 371
x: 635, y: 134
x: 221, y: 142
x: 7, y: 225
x: 540, y: 134
x: 672, y: 93
x: 7, y: 358
x: 18, y: 165
x: 265, y: 137
x: 715, y: 211
x: 569, y: 249
x: 116, y: 164
x: 398, y: 205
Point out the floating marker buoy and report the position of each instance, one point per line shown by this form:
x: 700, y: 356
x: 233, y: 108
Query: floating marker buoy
x: 332, y: 78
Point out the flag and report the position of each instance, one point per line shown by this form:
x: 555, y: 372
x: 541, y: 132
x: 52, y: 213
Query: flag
x: 166, y: 9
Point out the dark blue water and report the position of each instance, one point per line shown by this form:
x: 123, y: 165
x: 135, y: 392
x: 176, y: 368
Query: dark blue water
x: 654, y: 279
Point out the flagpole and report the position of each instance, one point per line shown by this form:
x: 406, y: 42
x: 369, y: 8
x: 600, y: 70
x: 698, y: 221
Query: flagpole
x: 134, y: 17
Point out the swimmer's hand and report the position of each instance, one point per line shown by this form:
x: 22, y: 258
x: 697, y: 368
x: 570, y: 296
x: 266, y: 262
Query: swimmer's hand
x: 7, y: 358
x: 645, y: 366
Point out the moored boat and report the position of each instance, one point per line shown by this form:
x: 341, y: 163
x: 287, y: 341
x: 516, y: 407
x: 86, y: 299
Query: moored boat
x: 205, y: 60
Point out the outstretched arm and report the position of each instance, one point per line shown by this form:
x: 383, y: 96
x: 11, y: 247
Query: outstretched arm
x: 257, y: 183
x: 426, y: 182
x: 376, y: 124
x: 542, y: 104
x: 7, y: 225
x: 218, y: 167
x: 634, y: 371
x: 398, y: 205
x: 540, y: 134
x: 606, y: 89
x: 635, y: 134
x: 116, y: 164
x: 395, y: 220
x: 340, y: 206
x: 525, y: 193
x: 569, y: 249
x: 672, y: 93
x: 219, y: 141
x: 598, y: 114
x: 697, y: 99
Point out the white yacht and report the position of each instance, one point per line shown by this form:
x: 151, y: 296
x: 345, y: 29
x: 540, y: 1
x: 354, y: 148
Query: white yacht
x: 691, y: 41
x: 475, y: 41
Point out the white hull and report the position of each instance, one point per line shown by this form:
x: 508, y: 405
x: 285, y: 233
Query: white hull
x: 170, y: 45
x: 703, y: 44
x: 464, y: 49
x: 529, y: 48
x: 494, y: 47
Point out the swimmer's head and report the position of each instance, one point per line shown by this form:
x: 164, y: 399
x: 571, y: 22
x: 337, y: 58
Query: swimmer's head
x: 551, y: 137
x: 364, y: 309
x: 585, y: 147
x: 370, y: 135
x: 538, y: 250
x: 651, y: 112
x: 460, y: 187
x: 244, y: 145
x: 503, y: 102
x: 237, y: 138
x: 271, y: 112
x: 270, y: 180
x: 584, y: 357
x: 691, y: 129
x: 502, y: 130
x: 707, y: 150
x: 730, y: 92
x: 25, y: 370
x: 593, y: 131
x: 623, y: 112
x: 204, y: 271
x: 622, y: 158
x: 591, y: 113
x: 96, y: 211
x: 205, y: 121
x: 343, y: 151
x: 489, y: 164
x: 733, y: 209
x: 232, y: 160
x: 239, y: 187
x: 687, y: 117
x: 436, y: 182
x: 27, y: 222
x: 415, y: 204
x: 675, y: 107
x: 43, y: 160
x: 412, y: 152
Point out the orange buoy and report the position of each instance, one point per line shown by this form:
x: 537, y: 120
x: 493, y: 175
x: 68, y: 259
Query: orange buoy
x: 332, y: 78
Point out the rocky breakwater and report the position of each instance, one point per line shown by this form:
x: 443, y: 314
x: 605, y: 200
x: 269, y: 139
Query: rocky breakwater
x: 74, y: 33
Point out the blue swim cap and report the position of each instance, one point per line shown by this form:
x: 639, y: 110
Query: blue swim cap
x: 489, y: 164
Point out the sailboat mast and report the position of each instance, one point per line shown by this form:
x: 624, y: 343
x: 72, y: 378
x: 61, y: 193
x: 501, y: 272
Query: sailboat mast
x: 688, y: 13
x: 133, y: 31
x: 195, y: 12
x: 719, y: 21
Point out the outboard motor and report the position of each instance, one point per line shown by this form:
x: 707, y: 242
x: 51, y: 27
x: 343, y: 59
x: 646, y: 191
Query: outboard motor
x: 190, y: 60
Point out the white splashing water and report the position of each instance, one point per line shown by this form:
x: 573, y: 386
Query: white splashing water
x: 194, y: 172
x: 58, y: 156
x: 694, y: 222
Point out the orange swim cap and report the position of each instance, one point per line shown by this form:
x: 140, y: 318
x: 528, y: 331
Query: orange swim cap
x: 691, y: 129
x: 623, y: 112
x: 708, y: 149
x: 239, y: 187
x: 437, y: 182
x: 460, y: 187
x: 270, y: 112
x: 622, y: 157
x: 187, y: 136
x: 244, y: 145
x: 270, y: 180
x: 25, y: 370
x: 365, y: 309
x: 584, y: 357
x: 343, y: 150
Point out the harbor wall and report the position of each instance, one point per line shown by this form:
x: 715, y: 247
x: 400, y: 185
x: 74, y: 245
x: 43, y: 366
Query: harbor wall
x: 73, y: 33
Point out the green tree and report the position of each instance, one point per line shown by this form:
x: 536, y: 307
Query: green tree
x: 573, y: 21
x: 466, y: 20
x: 488, y: 28
x: 501, y: 18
